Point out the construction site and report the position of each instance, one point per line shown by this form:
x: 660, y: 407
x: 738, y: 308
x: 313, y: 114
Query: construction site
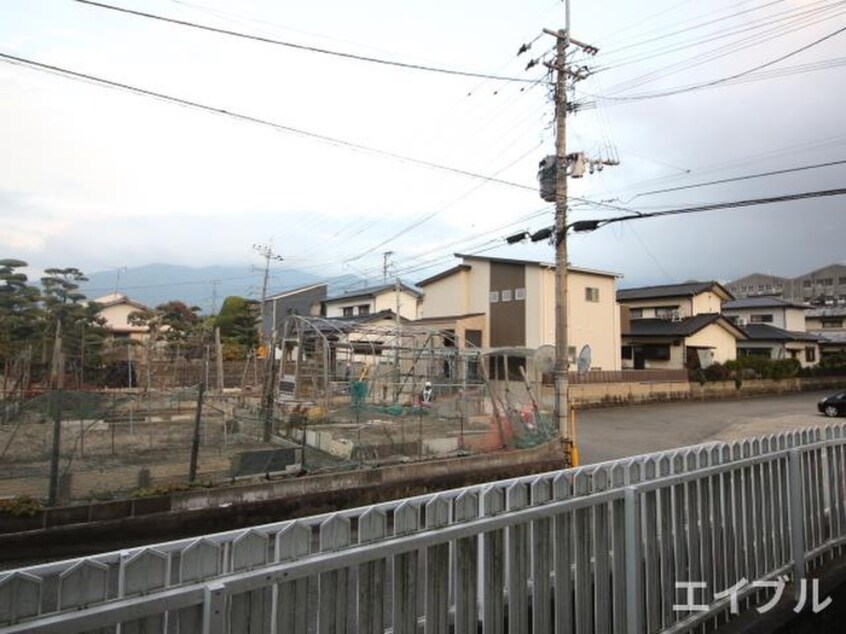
x: 338, y: 395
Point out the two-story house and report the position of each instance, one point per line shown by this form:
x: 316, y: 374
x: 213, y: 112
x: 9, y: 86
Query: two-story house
x: 775, y: 328
x: 496, y: 303
x: 677, y: 326
x: 374, y: 299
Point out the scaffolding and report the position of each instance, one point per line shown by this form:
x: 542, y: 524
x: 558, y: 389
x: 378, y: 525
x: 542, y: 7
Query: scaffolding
x: 326, y: 360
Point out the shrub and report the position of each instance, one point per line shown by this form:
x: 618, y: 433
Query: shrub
x: 21, y: 506
x: 717, y: 372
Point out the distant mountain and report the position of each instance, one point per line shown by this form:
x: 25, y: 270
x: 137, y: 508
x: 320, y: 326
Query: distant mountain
x: 155, y: 284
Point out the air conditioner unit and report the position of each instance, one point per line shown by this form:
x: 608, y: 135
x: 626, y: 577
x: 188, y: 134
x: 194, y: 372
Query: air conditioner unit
x: 740, y: 322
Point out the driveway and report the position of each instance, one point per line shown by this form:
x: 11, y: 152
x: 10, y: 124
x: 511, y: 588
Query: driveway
x: 611, y: 433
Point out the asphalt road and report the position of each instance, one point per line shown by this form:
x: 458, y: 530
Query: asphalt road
x: 611, y: 433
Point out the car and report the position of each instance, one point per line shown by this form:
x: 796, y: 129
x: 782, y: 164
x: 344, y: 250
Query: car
x: 833, y: 405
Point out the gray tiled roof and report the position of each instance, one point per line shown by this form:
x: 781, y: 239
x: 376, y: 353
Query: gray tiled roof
x: 688, y: 289
x: 668, y: 328
x: 760, y: 302
x: 765, y: 332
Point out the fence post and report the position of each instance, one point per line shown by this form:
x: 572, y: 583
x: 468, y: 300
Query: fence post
x: 634, y: 571
x: 797, y: 517
x: 214, y: 609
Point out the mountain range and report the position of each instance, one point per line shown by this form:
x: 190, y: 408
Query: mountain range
x: 206, y: 287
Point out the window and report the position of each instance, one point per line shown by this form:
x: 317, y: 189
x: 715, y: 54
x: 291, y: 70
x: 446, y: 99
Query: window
x: 364, y: 309
x: 636, y: 313
x: 761, y: 318
x: 626, y: 352
x: 655, y: 352
x: 666, y: 312
x: 806, y: 283
x: 827, y: 281
x: 842, y: 280
x: 506, y: 295
x: 810, y: 354
x: 571, y: 354
x: 348, y: 311
x: 494, y: 297
x: 832, y: 322
x: 754, y: 352
x: 591, y: 294
x: 519, y: 294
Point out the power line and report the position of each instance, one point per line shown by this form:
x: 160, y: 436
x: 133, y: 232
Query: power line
x: 590, y: 225
x: 304, y: 47
x: 734, y: 179
x: 722, y: 80
x: 251, y: 119
x: 791, y: 25
x: 586, y: 226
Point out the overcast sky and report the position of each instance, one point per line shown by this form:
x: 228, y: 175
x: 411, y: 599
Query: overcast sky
x: 98, y: 178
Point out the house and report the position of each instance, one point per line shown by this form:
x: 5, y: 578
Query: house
x: 774, y: 311
x: 775, y: 328
x: 305, y: 300
x: 503, y: 303
x: 829, y: 325
x: 776, y: 343
x: 677, y: 326
x: 673, y: 344
x: 374, y: 299
x: 670, y: 301
x: 115, y: 309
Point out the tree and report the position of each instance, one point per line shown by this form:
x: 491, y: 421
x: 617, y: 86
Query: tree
x: 173, y: 322
x: 20, y: 324
x: 238, y: 323
x: 81, y: 323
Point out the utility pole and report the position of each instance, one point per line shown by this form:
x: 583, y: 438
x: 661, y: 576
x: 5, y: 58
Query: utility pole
x: 195, y: 441
x: 385, y: 256
x: 267, y: 252
x: 218, y: 357
x: 57, y: 382
x: 563, y: 160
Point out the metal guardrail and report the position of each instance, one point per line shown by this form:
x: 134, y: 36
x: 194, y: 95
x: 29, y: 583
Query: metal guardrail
x: 595, y: 549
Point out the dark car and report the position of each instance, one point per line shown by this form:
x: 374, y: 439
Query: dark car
x: 833, y: 405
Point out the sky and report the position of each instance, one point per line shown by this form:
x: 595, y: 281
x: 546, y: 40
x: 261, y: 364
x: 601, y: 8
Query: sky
x: 99, y: 178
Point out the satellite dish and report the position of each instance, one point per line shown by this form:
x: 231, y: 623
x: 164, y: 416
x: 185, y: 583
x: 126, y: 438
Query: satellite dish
x: 544, y: 358
x: 583, y: 364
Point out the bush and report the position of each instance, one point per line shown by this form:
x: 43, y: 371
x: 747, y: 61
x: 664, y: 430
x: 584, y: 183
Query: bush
x: 717, y: 372
x: 21, y: 506
x: 760, y: 367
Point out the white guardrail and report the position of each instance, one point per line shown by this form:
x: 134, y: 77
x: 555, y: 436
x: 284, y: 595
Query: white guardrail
x: 593, y: 549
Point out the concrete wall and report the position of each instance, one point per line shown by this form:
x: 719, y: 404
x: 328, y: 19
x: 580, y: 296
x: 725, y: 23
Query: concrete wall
x: 605, y: 394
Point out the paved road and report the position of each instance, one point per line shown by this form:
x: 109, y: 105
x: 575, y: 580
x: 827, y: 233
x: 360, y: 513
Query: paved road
x: 607, y: 434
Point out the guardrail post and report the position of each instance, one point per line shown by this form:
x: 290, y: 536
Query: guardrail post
x: 797, y: 517
x: 214, y: 609
x: 634, y: 570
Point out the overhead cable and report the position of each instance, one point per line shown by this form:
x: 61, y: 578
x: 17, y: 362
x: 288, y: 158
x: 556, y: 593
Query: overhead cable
x: 12, y: 59
x: 305, y: 47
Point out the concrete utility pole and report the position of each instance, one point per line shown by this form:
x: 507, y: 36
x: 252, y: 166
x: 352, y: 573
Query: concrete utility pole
x: 57, y: 383
x: 267, y: 252
x: 562, y: 353
x: 385, y: 256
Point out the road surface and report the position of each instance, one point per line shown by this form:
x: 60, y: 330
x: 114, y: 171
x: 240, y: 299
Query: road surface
x: 611, y: 433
